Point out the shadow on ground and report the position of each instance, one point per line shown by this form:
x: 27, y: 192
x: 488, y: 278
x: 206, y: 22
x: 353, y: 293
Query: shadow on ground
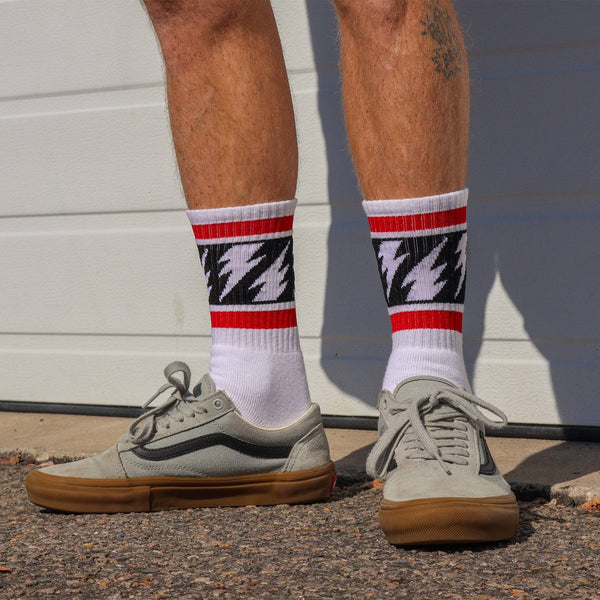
x: 558, y: 464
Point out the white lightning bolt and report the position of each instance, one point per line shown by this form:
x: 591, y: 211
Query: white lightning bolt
x: 238, y: 262
x: 272, y: 280
x: 389, y: 261
x: 204, y: 260
x: 462, y: 262
x: 425, y: 276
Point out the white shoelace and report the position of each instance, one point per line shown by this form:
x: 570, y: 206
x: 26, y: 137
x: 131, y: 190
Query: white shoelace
x: 441, y: 435
x: 176, y: 408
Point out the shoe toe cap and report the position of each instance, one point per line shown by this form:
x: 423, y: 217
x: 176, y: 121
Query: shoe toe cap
x: 106, y: 465
x: 426, y: 479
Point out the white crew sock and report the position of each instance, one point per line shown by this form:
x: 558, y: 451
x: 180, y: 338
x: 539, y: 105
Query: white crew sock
x: 420, y: 244
x: 247, y: 256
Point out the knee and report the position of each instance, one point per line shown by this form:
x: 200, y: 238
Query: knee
x: 205, y: 16
x: 374, y: 14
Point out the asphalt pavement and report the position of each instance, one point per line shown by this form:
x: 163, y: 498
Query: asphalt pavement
x: 332, y: 549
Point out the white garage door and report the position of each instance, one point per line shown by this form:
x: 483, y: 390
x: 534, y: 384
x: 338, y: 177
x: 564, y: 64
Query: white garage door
x: 101, y: 283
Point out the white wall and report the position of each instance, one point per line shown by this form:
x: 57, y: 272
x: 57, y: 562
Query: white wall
x: 101, y: 284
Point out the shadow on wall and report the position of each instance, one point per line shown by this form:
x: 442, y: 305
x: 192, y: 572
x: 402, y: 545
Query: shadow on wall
x: 534, y: 211
x: 535, y: 185
x: 355, y: 335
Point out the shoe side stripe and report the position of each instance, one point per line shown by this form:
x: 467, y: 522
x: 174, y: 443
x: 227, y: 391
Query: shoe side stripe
x: 487, y: 465
x: 208, y: 441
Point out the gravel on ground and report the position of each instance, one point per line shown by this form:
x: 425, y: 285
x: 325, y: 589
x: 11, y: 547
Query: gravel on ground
x: 327, y: 550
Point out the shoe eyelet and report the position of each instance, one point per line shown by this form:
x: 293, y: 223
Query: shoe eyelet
x: 218, y: 404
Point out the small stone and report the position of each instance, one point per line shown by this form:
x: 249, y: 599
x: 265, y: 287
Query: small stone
x: 592, y: 504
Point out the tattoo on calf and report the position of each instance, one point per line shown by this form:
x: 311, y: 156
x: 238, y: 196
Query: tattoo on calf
x: 447, y: 55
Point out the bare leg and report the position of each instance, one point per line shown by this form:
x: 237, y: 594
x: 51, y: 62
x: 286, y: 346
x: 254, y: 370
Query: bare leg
x: 406, y: 96
x: 406, y: 99
x: 235, y: 140
x: 234, y: 133
x: 229, y: 101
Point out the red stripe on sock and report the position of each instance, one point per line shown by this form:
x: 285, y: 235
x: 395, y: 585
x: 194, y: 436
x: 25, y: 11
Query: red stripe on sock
x: 243, y: 228
x: 254, y: 319
x: 419, y: 222
x: 427, y: 319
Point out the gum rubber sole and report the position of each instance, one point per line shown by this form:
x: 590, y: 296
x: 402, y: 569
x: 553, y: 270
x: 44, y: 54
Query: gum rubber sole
x: 146, y: 494
x: 449, y: 520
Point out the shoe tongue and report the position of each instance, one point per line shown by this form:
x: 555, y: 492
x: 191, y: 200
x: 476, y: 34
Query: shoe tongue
x: 416, y: 388
x: 205, y: 387
x: 420, y: 387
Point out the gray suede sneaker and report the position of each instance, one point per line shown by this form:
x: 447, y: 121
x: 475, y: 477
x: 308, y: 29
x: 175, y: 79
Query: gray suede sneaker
x: 442, y: 484
x: 192, y: 451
